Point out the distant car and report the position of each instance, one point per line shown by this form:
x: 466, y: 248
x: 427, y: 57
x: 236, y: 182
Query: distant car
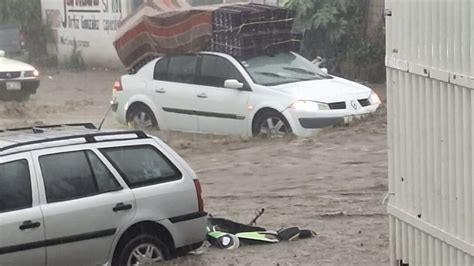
x: 269, y: 95
x: 12, y: 39
x: 18, y: 80
x: 74, y: 195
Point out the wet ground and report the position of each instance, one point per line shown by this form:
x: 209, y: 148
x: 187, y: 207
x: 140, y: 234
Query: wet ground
x: 332, y: 183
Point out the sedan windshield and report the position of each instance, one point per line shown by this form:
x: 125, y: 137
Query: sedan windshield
x: 282, y: 68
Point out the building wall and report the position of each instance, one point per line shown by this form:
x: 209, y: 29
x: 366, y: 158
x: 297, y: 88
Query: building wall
x: 90, y: 25
x: 430, y: 86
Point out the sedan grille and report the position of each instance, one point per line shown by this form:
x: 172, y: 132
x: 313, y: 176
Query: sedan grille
x: 364, y: 102
x: 9, y: 75
x: 338, y: 105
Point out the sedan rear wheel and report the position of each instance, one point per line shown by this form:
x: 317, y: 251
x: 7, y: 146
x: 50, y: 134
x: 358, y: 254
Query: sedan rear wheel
x: 142, y: 118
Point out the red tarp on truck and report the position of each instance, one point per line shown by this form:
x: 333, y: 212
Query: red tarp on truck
x: 159, y: 28
x: 241, y: 30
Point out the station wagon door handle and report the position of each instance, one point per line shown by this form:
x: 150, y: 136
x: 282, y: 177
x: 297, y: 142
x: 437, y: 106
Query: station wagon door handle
x: 29, y: 225
x: 160, y: 90
x: 202, y: 95
x: 122, y: 207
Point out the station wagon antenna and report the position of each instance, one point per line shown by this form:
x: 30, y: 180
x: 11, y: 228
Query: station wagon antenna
x: 105, y: 117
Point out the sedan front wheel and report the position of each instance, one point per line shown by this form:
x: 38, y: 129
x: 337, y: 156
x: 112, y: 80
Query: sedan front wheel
x: 272, y: 124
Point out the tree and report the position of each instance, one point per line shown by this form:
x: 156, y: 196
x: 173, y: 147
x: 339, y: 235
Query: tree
x: 336, y: 31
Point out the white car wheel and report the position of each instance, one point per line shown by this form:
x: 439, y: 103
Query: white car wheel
x: 143, y: 249
x: 142, y: 118
x: 272, y: 125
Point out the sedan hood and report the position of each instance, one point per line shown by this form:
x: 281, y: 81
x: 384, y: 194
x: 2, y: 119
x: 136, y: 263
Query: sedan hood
x: 327, y: 90
x: 7, y: 65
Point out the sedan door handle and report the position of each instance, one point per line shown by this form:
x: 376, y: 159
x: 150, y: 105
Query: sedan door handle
x: 202, y: 95
x: 29, y: 225
x: 160, y: 90
x: 122, y: 207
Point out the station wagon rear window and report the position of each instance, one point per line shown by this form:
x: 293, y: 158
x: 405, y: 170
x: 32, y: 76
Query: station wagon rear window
x: 15, y: 186
x: 142, y: 165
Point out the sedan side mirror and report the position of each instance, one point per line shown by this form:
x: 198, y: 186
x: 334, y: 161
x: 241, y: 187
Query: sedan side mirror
x: 324, y: 70
x: 233, y: 84
x: 2, y: 53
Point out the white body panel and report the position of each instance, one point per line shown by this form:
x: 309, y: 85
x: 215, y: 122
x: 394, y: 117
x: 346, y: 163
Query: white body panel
x: 11, y: 65
x: 219, y: 110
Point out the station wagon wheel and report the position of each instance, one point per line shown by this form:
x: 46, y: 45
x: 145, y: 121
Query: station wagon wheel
x: 141, y: 117
x: 145, y: 254
x: 272, y: 124
x: 143, y: 249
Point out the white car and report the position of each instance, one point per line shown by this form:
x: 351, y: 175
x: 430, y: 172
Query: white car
x: 74, y: 195
x: 268, y: 95
x: 18, y: 80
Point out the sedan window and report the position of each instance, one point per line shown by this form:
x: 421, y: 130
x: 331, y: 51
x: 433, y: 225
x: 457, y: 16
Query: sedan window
x: 161, y: 69
x: 15, y: 186
x: 142, y: 165
x: 215, y: 70
x: 179, y: 68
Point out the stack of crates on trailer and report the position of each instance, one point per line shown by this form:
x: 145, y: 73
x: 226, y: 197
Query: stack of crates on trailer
x: 250, y: 30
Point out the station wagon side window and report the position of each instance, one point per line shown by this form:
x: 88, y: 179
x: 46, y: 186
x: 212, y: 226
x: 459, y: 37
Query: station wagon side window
x: 215, y: 70
x: 73, y: 175
x: 15, y: 186
x: 142, y: 165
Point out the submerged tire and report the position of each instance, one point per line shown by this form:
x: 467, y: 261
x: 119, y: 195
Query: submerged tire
x: 141, y: 117
x: 271, y: 124
x: 143, y: 249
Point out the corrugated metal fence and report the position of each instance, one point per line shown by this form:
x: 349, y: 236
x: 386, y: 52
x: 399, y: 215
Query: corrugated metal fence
x: 430, y: 87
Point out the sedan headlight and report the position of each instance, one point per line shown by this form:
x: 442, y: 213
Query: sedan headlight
x: 374, y: 98
x: 309, y: 106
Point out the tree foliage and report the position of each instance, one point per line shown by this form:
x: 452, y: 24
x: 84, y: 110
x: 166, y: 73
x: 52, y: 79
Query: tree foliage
x: 337, y: 31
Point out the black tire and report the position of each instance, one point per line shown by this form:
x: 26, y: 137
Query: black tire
x: 141, y: 117
x: 280, y: 129
x: 125, y: 255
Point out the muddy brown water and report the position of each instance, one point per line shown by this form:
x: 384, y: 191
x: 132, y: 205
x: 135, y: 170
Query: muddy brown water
x: 332, y: 183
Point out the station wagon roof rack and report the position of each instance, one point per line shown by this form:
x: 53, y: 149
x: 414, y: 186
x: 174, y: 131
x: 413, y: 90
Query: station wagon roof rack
x: 43, y: 128
x: 88, y: 137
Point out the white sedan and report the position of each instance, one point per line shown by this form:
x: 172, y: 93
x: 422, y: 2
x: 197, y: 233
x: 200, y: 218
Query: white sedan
x: 18, y: 80
x: 269, y: 95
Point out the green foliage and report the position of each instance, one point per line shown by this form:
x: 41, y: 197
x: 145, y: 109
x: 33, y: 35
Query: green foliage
x: 27, y: 14
x: 337, y: 31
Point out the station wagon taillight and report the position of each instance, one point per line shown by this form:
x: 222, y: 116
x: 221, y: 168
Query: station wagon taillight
x: 197, y: 184
x: 117, y: 85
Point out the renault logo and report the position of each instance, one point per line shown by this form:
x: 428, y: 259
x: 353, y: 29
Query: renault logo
x: 354, y: 104
x: 9, y: 75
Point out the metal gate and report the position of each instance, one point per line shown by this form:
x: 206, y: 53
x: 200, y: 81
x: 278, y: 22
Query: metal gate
x: 430, y: 91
